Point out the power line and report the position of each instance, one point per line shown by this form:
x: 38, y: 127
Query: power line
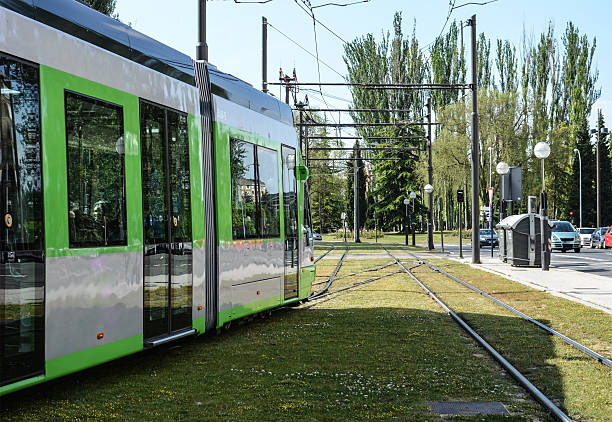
x: 341, y: 4
x: 310, y: 14
x: 311, y: 54
x: 328, y: 95
x: 451, y: 5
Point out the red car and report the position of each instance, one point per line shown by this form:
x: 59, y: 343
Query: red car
x: 608, y: 238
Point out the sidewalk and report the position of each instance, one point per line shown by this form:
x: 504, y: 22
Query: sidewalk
x: 589, y: 289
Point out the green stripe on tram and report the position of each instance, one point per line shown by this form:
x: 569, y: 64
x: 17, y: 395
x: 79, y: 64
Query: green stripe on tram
x: 248, y: 309
x: 197, y: 187
x: 87, y: 358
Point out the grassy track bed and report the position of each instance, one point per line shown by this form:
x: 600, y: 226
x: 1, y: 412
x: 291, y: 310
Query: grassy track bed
x: 380, y: 351
x: 363, y: 248
x: 573, y: 380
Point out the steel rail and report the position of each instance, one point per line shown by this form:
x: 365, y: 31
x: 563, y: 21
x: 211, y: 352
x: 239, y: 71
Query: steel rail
x: 358, y: 283
x: 382, y: 267
x: 321, y: 256
x: 546, y: 328
x: 533, y: 390
x: 354, y: 285
x: 331, y: 279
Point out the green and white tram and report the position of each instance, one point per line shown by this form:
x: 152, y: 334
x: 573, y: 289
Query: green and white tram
x: 143, y: 197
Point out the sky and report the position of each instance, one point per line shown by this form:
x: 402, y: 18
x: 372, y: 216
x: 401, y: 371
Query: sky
x: 234, y: 33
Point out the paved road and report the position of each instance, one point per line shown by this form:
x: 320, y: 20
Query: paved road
x: 590, y: 261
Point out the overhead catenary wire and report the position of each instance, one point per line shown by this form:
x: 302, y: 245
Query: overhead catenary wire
x: 319, y: 22
x: 304, y: 49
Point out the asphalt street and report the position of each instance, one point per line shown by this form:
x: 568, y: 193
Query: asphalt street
x: 590, y: 261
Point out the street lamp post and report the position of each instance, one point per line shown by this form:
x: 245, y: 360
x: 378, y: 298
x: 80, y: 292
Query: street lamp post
x: 406, y: 224
x: 580, y: 182
x: 542, y: 151
x: 502, y: 169
x: 412, y: 196
x: 429, y: 189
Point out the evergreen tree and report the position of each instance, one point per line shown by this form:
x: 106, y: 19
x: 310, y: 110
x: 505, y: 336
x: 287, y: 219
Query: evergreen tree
x: 326, y: 182
x: 350, y: 191
x: 605, y: 174
x: 587, y: 153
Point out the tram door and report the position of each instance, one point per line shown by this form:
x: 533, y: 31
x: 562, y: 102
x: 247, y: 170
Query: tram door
x: 291, y: 223
x: 22, y: 271
x: 167, y: 221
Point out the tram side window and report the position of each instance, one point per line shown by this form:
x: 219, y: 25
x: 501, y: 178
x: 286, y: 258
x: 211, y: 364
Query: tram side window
x: 96, y: 172
x: 244, y: 190
x: 267, y: 165
x: 255, y: 191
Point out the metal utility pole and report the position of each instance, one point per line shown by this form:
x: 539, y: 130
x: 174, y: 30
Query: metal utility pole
x: 475, y: 150
x: 356, y: 195
x: 264, y: 54
x: 580, y: 183
x: 597, y: 176
x: 202, y: 47
x: 441, y: 215
x: 430, y: 242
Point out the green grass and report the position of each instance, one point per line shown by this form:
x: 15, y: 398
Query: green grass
x: 381, y: 352
x: 575, y: 382
x: 394, y: 237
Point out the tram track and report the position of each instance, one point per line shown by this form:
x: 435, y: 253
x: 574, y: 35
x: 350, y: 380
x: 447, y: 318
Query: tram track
x: 514, y: 372
x: 378, y: 268
x: 324, y: 255
x: 331, y: 279
x: 601, y: 359
x: 420, y: 262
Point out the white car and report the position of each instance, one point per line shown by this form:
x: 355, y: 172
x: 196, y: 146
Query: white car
x: 585, y: 235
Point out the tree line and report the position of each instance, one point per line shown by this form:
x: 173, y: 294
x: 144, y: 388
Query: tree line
x: 541, y: 90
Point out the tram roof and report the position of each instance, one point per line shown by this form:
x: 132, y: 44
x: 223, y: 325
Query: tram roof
x: 83, y: 22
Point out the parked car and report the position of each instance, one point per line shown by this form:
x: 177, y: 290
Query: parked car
x: 485, y: 237
x: 316, y: 236
x: 608, y: 238
x: 597, y: 238
x: 565, y: 237
x: 585, y: 235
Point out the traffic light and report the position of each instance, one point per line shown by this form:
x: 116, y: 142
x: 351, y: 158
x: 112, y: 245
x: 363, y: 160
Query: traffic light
x: 460, y: 196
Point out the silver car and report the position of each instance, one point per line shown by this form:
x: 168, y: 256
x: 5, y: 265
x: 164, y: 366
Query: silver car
x: 564, y: 237
x: 585, y: 235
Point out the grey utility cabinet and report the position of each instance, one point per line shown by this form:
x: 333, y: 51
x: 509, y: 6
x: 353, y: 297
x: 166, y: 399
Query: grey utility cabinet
x: 520, y: 240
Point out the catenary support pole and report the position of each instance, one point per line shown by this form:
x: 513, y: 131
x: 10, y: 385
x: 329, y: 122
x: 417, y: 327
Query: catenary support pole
x: 430, y: 243
x: 475, y: 151
x: 597, y: 176
x: 356, y: 195
x: 264, y: 55
x: 202, y: 47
